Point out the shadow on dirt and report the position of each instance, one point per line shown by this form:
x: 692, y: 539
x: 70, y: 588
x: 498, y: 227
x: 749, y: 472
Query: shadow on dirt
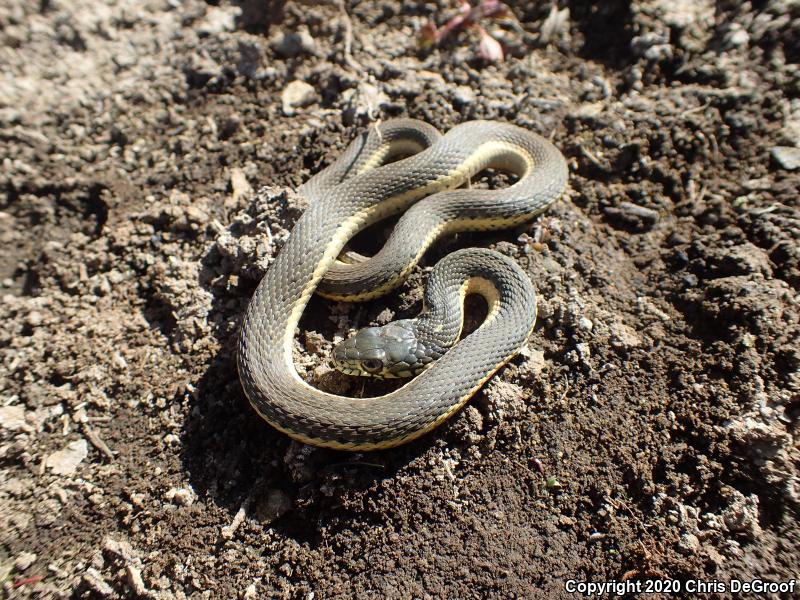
x: 237, y: 459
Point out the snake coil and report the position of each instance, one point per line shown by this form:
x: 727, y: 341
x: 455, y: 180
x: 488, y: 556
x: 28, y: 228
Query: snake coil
x: 359, y: 189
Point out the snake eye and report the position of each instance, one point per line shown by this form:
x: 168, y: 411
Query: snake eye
x: 372, y: 365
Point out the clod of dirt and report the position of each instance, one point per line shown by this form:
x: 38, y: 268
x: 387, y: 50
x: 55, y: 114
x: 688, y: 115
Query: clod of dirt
x: 297, y: 95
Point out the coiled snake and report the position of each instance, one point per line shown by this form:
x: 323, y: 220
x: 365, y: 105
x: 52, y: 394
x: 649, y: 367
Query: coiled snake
x: 359, y: 189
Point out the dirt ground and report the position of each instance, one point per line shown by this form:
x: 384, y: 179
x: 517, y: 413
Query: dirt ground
x: 649, y: 429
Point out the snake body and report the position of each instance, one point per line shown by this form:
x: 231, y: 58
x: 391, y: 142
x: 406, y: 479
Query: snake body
x: 360, y: 189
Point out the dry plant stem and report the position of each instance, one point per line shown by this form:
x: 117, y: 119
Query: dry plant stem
x: 348, y: 39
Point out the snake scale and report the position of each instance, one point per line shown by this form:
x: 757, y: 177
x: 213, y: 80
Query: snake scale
x: 400, y: 166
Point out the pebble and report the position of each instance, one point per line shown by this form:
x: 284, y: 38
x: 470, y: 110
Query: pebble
x: 463, y: 95
x: 24, y: 560
x: 180, y: 496
x: 13, y: 417
x: 584, y: 352
x: 94, y: 580
x: 787, y: 157
x: 624, y: 337
x: 66, y: 461
x: 219, y: 19
x: 295, y: 95
x: 534, y: 363
x: 290, y: 44
x: 689, y: 543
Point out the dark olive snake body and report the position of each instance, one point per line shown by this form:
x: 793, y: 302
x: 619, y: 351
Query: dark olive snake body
x: 358, y: 190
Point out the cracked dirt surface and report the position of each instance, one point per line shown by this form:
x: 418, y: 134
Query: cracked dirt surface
x: 648, y: 430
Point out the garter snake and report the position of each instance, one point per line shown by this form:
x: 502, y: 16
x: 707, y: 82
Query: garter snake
x: 359, y: 189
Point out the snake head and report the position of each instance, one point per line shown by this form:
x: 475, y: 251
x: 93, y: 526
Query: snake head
x: 384, y: 352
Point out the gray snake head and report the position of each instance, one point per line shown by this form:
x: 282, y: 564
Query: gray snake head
x: 387, y: 352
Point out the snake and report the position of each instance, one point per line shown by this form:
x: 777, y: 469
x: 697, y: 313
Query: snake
x: 400, y: 167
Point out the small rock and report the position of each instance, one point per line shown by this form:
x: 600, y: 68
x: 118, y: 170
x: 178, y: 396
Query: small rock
x: 467, y: 429
x: 741, y: 516
x: 66, y: 461
x: 737, y: 37
x: 181, y: 496
x: 584, y: 352
x: 219, y: 19
x: 689, y: 543
x: 136, y: 582
x: 196, y: 215
x: 315, y: 342
x: 289, y: 44
x: 463, y: 95
x: 534, y: 363
x: 295, y: 95
x: 641, y: 217
x: 24, y: 560
x: 787, y: 157
x: 624, y: 337
x: 13, y: 417
x: 240, y: 187
x: 201, y: 69
x: 94, y: 580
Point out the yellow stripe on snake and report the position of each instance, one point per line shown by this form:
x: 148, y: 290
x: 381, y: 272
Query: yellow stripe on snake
x: 361, y: 188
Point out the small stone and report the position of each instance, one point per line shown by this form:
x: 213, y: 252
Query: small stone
x: 624, y: 337
x: 136, y: 582
x: 689, y: 543
x: 219, y: 19
x: 463, y: 95
x: 787, y: 157
x: 181, y: 496
x: 468, y: 429
x: 297, y: 94
x: 240, y: 187
x: 289, y: 44
x: 640, y: 217
x: 741, y: 516
x: 315, y: 342
x: 66, y: 461
x: 24, y: 560
x: 737, y: 37
x: 584, y: 352
x: 534, y: 363
x: 94, y: 580
x: 13, y: 417
x: 196, y: 215
x: 556, y: 24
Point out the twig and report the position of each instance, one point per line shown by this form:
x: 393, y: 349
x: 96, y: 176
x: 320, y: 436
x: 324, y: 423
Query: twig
x: 348, y: 38
x: 97, y: 442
